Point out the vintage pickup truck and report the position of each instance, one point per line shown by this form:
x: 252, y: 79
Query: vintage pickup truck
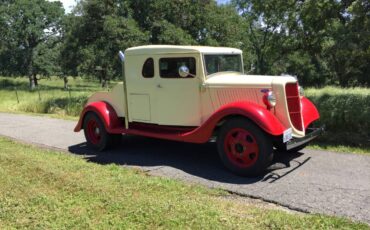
x: 197, y: 94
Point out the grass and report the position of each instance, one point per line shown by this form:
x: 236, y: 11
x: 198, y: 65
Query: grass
x: 339, y: 148
x: 44, y: 189
x: 345, y: 112
x: 344, y: 142
x: 59, y: 103
x: 331, y: 90
x: 48, y: 98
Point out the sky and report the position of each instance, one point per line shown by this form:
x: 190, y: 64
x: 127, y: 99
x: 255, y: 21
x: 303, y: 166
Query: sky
x: 69, y: 4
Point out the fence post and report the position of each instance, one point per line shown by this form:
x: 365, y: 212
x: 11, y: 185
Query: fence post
x: 16, y: 94
x: 38, y: 90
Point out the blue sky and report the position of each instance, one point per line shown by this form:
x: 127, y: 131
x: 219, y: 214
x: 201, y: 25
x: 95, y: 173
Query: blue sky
x: 68, y: 4
x: 223, y: 1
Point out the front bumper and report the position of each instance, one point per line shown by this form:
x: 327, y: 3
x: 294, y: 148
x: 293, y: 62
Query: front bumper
x: 312, y: 134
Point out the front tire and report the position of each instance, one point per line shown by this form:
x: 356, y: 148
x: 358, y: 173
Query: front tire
x: 96, y: 135
x: 244, y: 148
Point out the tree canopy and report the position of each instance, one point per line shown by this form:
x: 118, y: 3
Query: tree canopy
x: 30, y: 29
x: 321, y: 42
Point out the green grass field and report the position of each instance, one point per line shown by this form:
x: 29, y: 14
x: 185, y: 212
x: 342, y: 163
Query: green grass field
x: 43, y: 189
x: 343, y: 110
x: 49, y: 98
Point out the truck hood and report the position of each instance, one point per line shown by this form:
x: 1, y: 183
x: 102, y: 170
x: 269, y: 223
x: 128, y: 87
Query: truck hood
x: 258, y: 81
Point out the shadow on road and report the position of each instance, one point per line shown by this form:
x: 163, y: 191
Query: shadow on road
x: 199, y: 160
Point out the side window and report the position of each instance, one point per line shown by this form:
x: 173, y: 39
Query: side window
x: 169, y: 67
x: 148, y: 68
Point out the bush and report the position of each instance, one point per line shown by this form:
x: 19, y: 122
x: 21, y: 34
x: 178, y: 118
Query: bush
x: 64, y: 106
x: 345, y: 112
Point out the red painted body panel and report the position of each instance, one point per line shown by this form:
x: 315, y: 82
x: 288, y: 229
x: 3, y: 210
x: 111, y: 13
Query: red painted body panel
x: 259, y: 115
x: 294, y: 105
x: 106, y: 113
x: 309, y: 112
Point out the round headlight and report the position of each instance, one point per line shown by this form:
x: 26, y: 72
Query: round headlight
x: 271, y: 99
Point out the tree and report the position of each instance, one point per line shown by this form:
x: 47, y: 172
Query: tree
x: 268, y: 34
x: 99, y: 29
x: 29, y: 24
x: 322, y: 42
x: 46, y: 58
x: 187, y: 22
x: 94, y: 36
x: 348, y: 50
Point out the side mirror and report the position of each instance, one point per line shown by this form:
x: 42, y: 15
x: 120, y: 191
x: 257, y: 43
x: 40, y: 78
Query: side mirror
x: 184, y: 71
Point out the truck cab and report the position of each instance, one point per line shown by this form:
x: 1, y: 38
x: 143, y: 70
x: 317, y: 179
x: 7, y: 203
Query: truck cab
x: 194, y: 93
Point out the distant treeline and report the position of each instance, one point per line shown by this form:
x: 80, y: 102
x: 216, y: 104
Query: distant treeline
x: 323, y: 42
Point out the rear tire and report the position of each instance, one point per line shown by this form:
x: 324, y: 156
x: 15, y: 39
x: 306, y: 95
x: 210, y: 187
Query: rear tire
x: 96, y: 135
x: 244, y: 148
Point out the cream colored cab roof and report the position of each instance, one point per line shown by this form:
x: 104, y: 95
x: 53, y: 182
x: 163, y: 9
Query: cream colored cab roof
x: 173, y: 49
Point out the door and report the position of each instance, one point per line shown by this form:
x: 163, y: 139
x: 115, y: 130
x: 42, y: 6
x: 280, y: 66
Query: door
x: 177, y: 99
x: 141, y: 86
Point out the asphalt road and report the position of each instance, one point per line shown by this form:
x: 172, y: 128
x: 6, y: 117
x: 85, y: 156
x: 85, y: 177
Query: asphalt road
x: 309, y: 181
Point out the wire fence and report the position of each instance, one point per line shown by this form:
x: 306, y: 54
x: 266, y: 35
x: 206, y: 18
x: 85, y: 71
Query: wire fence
x: 48, y: 98
x: 38, y: 90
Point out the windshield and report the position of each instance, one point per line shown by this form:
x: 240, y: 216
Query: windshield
x: 215, y: 63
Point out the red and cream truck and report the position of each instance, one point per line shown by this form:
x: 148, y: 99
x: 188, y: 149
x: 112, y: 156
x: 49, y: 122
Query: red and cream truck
x: 195, y: 94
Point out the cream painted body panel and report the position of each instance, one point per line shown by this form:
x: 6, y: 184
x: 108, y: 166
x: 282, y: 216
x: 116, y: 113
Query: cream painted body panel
x: 163, y: 101
x: 231, y: 87
x: 181, y: 50
x: 141, y: 91
x: 178, y: 98
x: 140, y: 107
x: 115, y: 98
x: 223, y: 96
x: 236, y: 79
x: 281, y: 108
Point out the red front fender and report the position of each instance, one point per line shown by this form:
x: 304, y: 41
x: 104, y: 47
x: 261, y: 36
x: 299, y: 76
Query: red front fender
x: 309, y: 112
x: 256, y: 113
x: 106, y: 113
x: 266, y: 120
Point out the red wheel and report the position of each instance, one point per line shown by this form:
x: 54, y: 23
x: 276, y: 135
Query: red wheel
x: 96, y: 135
x: 244, y: 148
x: 241, y: 147
x: 93, y: 131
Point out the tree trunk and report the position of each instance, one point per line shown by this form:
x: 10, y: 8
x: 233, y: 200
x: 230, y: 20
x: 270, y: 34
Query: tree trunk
x: 30, y: 70
x: 32, y: 83
x: 65, y: 79
x: 35, y: 80
x: 104, y: 77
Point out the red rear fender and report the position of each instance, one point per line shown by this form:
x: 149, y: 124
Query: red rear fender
x: 106, y: 113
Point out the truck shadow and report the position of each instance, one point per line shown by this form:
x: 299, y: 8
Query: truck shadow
x: 200, y: 160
